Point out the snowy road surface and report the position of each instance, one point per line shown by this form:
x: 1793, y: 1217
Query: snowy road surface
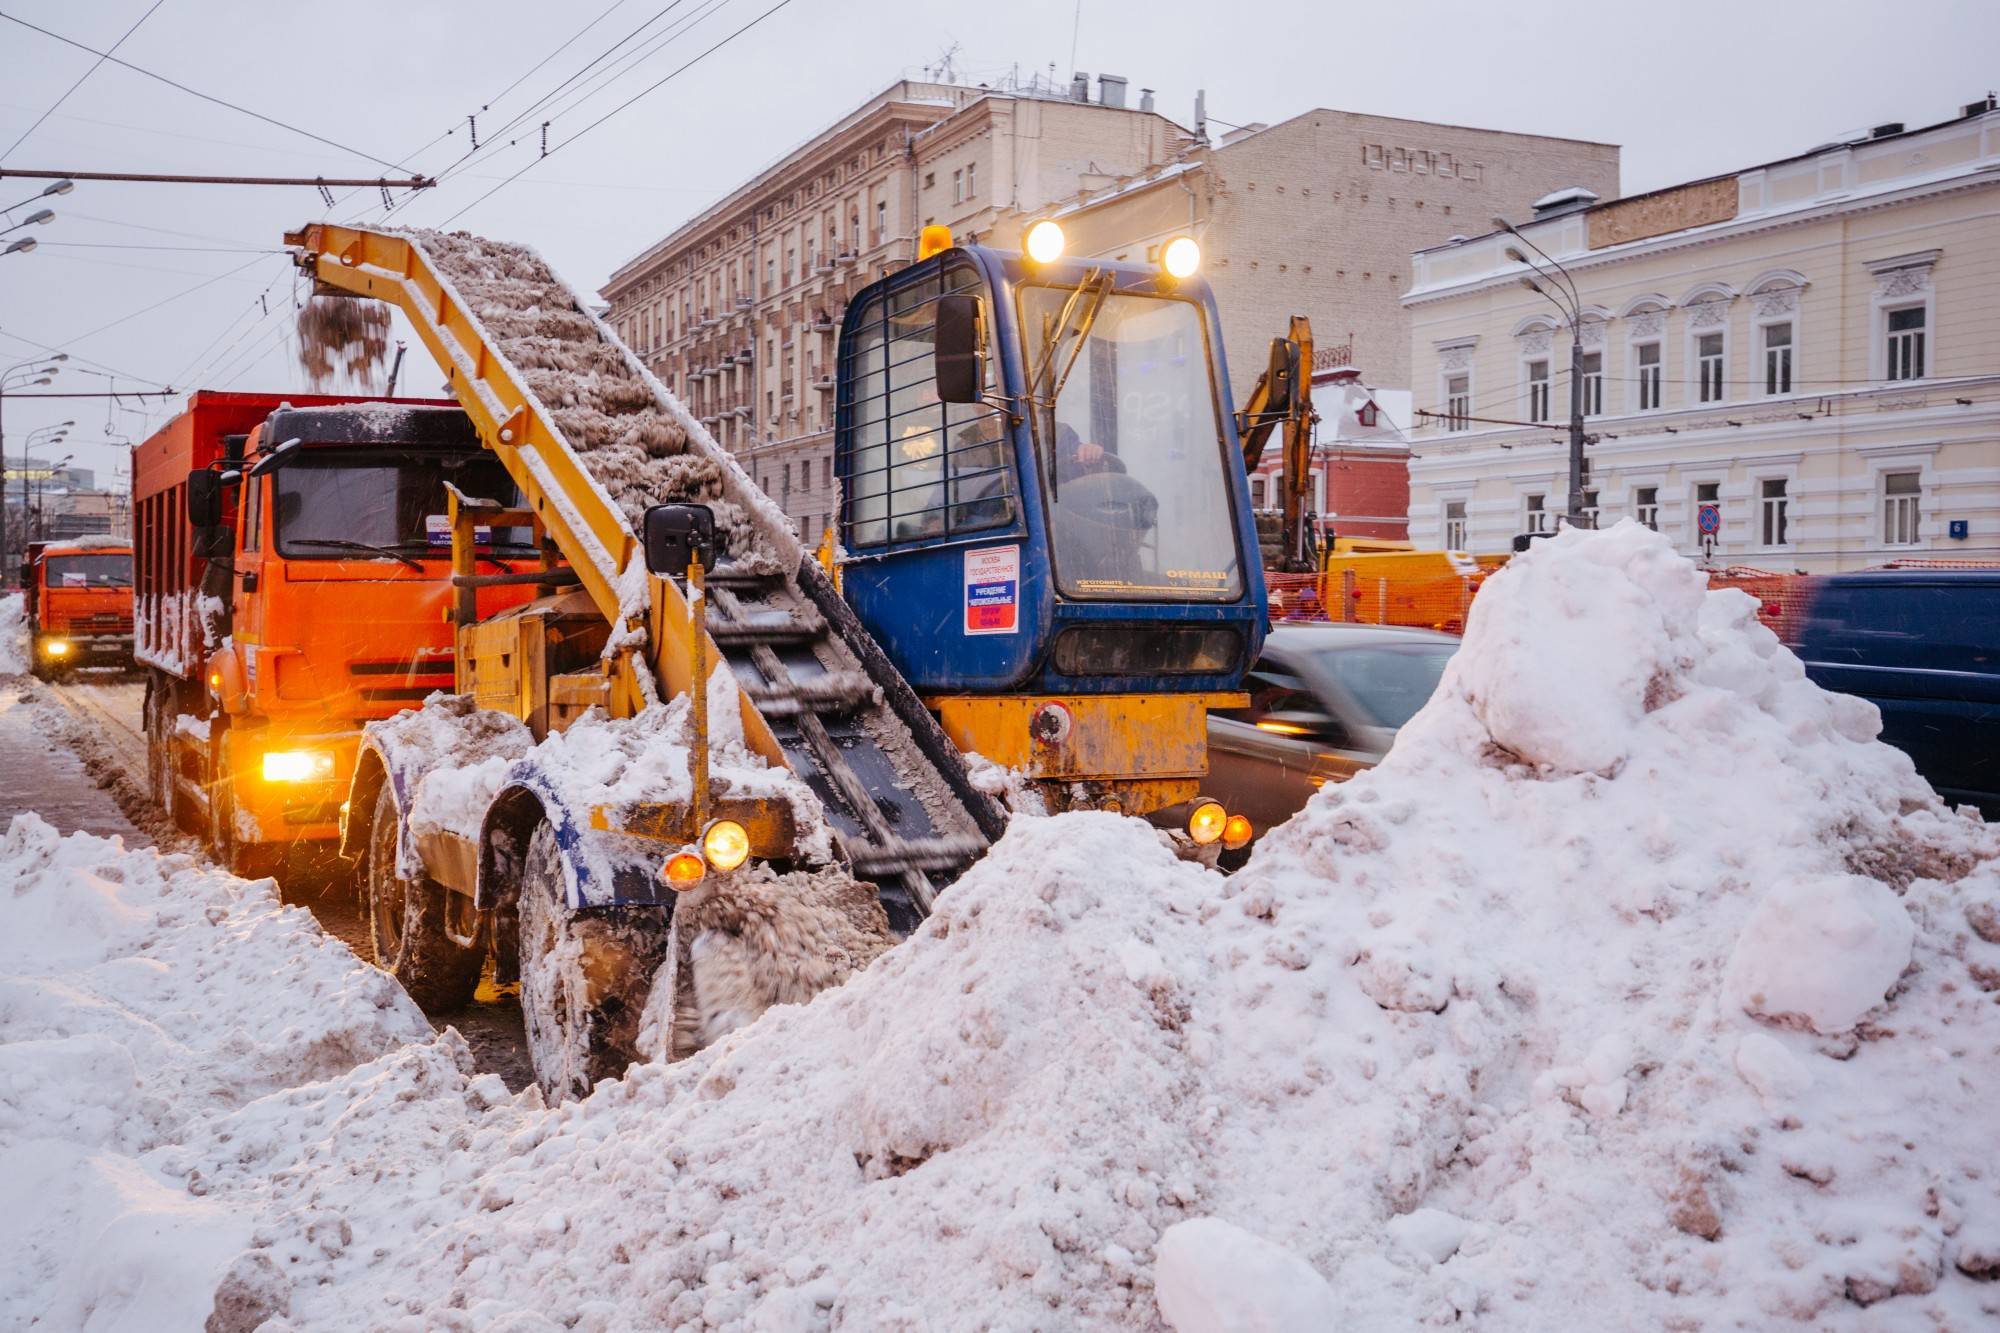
x: 1523, y: 1029
x: 40, y: 771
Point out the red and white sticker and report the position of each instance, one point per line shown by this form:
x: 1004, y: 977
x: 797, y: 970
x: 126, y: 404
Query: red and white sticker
x: 993, y: 590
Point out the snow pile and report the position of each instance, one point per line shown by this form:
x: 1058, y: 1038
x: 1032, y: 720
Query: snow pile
x: 1688, y: 1021
x: 459, y: 753
x: 142, y: 996
x: 13, y: 634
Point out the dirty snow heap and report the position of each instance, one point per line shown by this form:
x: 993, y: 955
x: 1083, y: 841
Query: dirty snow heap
x: 1640, y: 987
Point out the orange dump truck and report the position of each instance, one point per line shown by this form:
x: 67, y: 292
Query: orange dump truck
x: 79, y: 603
x: 294, y: 579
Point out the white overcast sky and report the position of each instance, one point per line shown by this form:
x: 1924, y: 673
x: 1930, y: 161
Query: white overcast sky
x: 1687, y: 87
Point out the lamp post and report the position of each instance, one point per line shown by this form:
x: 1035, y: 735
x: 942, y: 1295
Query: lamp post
x: 1566, y: 301
x: 45, y: 435
x: 39, y: 374
x: 57, y: 187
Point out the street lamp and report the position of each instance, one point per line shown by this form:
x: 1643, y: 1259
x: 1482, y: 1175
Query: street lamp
x: 44, y: 435
x: 34, y: 365
x: 1565, y: 299
x: 35, y: 219
x: 59, y: 187
x: 20, y: 247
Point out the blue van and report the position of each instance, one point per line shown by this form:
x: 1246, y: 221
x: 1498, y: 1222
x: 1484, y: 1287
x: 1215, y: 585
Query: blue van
x: 1923, y: 645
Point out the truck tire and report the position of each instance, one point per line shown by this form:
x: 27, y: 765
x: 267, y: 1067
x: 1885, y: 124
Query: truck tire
x: 406, y: 922
x: 584, y: 978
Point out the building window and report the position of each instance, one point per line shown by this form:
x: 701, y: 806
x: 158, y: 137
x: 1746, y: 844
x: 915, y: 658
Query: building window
x: 1900, y: 491
x: 1708, y: 366
x: 958, y: 186
x: 1777, y: 358
x: 1537, y: 516
x: 1538, y: 391
x: 972, y: 180
x: 1457, y: 402
x: 1454, y: 525
x: 805, y: 474
x: 1772, y: 506
x: 1593, y: 383
x: 930, y: 179
x: 1906, y: 343
x: 1258, y: 485
x: 1590, y: 509
x: 1646, y: 506
x: 881, y: 220
x: 1650, y: 368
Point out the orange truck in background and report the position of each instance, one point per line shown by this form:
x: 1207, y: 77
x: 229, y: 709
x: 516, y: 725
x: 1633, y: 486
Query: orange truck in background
x: 79, y: 604
x: 294, y: 582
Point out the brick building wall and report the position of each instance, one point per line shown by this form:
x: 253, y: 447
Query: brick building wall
x: 1318, y: 216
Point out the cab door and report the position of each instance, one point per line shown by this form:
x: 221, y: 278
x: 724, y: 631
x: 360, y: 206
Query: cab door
x: 939, y: 564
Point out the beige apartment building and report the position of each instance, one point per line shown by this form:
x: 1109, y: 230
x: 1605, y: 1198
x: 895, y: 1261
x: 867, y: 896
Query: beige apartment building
x: 1810, y: 348
x: 737, y: 310
x: 1318, y: 215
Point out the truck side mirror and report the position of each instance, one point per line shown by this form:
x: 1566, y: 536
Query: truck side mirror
x: 961, y: 361
x: 204, y: 498
x: 675, y: 533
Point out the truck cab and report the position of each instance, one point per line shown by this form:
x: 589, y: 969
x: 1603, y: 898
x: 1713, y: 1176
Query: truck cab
x: 1045, y: 521
x: 79, y: 604
x: 324, y: 605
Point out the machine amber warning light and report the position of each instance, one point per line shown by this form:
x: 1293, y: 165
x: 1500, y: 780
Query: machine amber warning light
x: 1181, y: 257
x: 1237, y: 832
x: 298, y: 766
x: 1207, y: 822
x: 683, y: 870
x: 1045, y: 242
x: 934, y: 239
x: 725, y: 844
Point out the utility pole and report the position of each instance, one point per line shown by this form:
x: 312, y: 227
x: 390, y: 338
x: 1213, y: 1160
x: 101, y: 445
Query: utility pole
x: 1563, y: 296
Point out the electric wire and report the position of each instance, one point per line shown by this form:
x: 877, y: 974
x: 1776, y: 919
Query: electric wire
x: 79, y: 82
x: 81, y: 360
x: 622, y: 106
x: 192, y: 92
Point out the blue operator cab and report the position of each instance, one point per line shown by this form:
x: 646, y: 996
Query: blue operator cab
x: 1044, y: 504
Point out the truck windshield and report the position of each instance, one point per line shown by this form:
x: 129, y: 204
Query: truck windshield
x: 89, y: 571
x: 334, y: 504
x: 1130, y: 446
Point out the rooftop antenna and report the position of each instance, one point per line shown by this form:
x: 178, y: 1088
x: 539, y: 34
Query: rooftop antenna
x: 1076, y: 25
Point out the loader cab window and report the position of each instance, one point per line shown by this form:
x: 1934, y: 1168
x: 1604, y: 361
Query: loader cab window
x: 339, y: 504
x: 89, y: 571
x: 1130, y: 446
x: 912, y: 467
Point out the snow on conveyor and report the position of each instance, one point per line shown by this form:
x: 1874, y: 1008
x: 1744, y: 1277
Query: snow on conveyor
x: 1639, y: 988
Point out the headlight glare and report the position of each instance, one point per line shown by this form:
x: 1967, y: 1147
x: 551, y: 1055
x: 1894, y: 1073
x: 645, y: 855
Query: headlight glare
x: 725, y: 843
x: 298, y: 766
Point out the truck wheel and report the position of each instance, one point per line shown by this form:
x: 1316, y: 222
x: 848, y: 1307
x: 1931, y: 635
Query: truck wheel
x: 406, y: 922
x: 584, y: 978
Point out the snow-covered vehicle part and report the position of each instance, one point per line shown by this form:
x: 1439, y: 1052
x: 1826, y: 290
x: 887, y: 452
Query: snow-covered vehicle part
x: 862, y: 782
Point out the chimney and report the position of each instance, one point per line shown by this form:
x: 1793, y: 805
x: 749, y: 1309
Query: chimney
x: 1079, y: 87
x: 1111, y: 90
x: 1201, y: 114
x: 1145, y: 99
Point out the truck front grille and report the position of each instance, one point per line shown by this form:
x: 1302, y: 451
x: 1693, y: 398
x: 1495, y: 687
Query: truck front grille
x: 402, y: 680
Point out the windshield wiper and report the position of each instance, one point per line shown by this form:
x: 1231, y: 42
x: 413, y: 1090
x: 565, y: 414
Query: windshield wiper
x: 343, y: 545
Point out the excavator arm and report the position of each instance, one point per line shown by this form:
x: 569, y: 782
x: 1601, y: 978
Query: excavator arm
x: 1282, y: 399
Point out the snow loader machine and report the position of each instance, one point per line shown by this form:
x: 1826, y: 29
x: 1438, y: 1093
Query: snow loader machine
x: 1033, y: 567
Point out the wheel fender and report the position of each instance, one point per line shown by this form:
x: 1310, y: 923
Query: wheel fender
x: 383, y: 759
x: 601, y: 867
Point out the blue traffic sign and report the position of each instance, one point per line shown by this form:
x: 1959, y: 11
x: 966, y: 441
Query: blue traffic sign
x: 1709, y: 519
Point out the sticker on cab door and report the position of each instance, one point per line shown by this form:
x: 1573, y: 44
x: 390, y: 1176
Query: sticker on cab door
x: 993, y: 590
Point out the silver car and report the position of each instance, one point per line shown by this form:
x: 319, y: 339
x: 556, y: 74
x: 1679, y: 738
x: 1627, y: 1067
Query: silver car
x: 1325, y: 703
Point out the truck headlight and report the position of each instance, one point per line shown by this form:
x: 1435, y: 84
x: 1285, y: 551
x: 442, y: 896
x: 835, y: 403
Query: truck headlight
x: 56, y: 647
x: 298, y: 766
